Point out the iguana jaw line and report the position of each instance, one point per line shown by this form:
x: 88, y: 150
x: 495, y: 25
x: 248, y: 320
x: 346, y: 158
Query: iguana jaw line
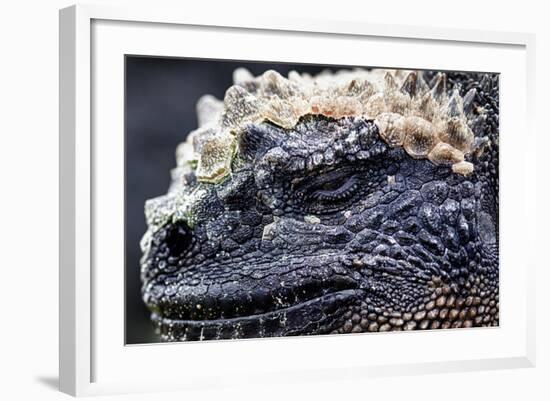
x: 268, y: 323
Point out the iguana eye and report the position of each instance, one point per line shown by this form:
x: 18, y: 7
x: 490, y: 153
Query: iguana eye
x: 328, y: 191
x: 336, y: 190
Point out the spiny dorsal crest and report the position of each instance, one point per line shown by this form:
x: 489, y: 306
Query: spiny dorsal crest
x: 410, y: 113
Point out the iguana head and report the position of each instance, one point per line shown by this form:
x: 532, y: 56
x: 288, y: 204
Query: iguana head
x: 347, y: 202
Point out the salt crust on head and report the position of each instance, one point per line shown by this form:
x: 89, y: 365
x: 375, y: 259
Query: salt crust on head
x: 423, y: 119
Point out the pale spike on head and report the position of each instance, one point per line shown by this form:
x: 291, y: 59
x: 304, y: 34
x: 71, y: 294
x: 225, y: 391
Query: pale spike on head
x: 295, y: 76
x: 209, y: 109
x: 485, y: 83
x: 468, y: 101
x: 391, y: 85
x: 399, y: 73
x: 421, y: 84
x: 410, y: 84
x: 242, y: 75
x: 353, y: 87
x: 479, y: 146
x: 428, y: 106
x: 454, y: 107
x: 240, y: 107
x: 434, y: 80
x: 274, y: 84
x: 439, y: 87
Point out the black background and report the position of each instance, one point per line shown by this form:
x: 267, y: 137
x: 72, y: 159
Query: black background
x: 161, y: 94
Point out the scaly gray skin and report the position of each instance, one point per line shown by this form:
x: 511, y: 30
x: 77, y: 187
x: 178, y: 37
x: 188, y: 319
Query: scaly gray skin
x: 397, y: 244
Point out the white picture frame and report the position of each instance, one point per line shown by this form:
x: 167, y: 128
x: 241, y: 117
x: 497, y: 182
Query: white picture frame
x: 93, y: 356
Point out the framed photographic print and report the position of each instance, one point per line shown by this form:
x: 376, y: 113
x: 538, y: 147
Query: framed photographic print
x: 236, y: 198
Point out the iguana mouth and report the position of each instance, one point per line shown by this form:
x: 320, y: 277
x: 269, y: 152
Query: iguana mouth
x: 304, y: 300
x: 318, y: 315
x: 234, y: 299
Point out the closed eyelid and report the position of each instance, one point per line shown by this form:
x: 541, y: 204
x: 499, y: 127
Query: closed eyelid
x: 345, y: 186
x: 321, y: 178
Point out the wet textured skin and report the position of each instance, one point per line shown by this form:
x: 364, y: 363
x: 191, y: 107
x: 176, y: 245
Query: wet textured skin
x: 327, y: 229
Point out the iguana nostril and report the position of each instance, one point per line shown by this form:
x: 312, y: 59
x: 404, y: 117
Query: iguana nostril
x: 179, y: 239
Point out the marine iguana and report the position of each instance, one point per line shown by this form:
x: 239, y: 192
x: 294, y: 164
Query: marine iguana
x: 355, y: 201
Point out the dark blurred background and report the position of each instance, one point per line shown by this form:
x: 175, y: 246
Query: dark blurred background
x: 161, y: 94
